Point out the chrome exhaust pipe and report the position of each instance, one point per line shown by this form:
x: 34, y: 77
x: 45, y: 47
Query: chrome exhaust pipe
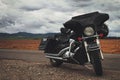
x: 59, y: 58
x: 59, y: 54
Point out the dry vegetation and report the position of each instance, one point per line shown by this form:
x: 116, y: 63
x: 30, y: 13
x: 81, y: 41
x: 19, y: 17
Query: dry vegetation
x: 107, y: 45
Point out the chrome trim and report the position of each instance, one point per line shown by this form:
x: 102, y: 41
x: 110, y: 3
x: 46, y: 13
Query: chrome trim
x: 75, y: 60
x: 94, y: 49
x: 72, y: 41
x: 59, y: 54
x: 98, y: 42
x: 60, y: 58
x: 76, y: 49
x: 90, y: 37
x: 85, y: 43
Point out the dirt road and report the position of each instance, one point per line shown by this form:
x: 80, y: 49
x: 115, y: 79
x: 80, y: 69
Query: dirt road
x: 32, y: 65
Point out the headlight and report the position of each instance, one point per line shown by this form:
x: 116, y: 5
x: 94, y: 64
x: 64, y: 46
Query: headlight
x: 89, y: 31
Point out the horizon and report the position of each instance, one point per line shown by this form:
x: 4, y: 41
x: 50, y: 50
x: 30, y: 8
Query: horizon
x: 49, y: 33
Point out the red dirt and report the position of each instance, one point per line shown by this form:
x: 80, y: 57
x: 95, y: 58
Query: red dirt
x: 108, y: 45
x: 20, y: 44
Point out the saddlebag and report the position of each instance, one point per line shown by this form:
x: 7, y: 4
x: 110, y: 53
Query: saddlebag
x: 51, y: 45
x: 54, y: 45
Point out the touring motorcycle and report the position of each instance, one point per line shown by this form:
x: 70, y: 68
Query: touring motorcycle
x: 78, y: 42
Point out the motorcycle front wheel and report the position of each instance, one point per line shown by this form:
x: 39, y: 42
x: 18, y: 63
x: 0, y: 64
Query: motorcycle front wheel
x: 55, y: 62
x: 96, y: 62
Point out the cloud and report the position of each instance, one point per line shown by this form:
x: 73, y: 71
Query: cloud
x: 33, y: 15
x: 6, y: 21
x: 40, y: 16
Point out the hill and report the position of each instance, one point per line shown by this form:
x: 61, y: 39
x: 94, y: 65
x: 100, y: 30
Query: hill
x: 24, y: 35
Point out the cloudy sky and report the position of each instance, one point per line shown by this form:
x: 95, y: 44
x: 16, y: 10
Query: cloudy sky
x: 43, y: 16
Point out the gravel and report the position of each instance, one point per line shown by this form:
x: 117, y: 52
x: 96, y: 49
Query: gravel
x: 24, y: 70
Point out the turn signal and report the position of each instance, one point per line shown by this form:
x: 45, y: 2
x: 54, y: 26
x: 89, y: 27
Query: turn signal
x: 101, y: 35
x: 79, y: 38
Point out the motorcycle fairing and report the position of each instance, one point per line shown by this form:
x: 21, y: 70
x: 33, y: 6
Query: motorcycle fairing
x: 51, y: 45
x: 78, y: 23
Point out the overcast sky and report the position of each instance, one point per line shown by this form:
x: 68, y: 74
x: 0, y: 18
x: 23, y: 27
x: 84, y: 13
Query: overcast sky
x: 43, y: 16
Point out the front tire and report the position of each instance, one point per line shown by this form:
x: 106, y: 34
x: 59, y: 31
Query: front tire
x: 96, y: 62
x: 55, y: 62
x: 98, y: 67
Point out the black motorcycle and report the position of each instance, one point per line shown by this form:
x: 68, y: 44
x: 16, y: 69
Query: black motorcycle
x: 78, y: 42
